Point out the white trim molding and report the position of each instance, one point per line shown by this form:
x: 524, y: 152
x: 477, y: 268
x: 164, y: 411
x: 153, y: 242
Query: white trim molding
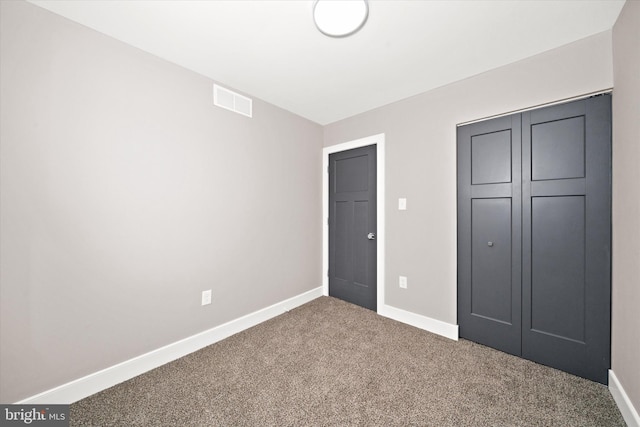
x: 101, y: 380
x: 629, y: 413
x: 435, y: 326
x: 379, y: 141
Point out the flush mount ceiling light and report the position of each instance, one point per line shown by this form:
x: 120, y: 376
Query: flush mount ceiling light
x: 340, y: 18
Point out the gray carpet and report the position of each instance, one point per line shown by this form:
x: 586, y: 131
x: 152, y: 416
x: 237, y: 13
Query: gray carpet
x: 330, y: 363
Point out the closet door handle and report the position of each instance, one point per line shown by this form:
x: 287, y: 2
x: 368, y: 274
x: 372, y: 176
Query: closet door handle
x: 490, y: 244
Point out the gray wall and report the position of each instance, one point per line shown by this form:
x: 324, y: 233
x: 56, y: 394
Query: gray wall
x: 626, y: 201
x: 125, y: 193
x: 421, y: 160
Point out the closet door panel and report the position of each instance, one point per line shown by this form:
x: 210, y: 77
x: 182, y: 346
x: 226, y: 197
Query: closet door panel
x: 558, y: 266
x: 557, y: 149
x: 489, y: 233
x: 491, y: 259
x: 566, y: 289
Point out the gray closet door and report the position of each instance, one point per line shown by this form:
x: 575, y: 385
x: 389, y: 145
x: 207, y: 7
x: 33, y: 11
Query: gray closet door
x: 352, y: 226
x: 567, y: 237
x: 547, y: 297
x: 489, y: 224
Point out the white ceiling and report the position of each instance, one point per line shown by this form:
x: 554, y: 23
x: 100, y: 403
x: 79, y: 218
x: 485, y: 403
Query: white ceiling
x: 272, y: 50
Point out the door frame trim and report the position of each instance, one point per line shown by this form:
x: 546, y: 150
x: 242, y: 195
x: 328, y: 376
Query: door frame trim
x: 379, y: 141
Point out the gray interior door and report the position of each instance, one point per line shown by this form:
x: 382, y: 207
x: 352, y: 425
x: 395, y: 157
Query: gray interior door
x: 566, y: 185
x: 546, y: 297
x: 352, y: 226
x: 489, y: 224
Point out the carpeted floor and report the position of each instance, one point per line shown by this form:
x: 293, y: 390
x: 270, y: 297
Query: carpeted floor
x: 330, y: 363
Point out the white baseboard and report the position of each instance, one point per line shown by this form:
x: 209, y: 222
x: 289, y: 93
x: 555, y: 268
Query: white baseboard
x: 423, y: 322
x: 629, y: 413
x: 101, y: 380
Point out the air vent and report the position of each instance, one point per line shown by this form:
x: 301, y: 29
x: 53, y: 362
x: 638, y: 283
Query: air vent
x: 230, y: 100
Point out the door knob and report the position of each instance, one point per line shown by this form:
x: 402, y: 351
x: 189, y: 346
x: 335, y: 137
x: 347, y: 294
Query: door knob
x: 490, y: 244
x: 371, y: 236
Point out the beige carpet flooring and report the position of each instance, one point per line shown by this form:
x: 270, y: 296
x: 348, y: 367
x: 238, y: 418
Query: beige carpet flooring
x: 330, y: 363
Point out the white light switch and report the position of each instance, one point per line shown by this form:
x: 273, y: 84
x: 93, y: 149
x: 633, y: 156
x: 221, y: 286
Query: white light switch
x: 402, y: 204
x: 206, y: 297
x: 403, y: 282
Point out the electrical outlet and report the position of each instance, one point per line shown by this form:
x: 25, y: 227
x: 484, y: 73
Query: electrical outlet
x: 402, y: 282
x: 402, y: 204
x: 206, y: 297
